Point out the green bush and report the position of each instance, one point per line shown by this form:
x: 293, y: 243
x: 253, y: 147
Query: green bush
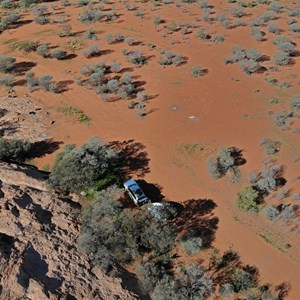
x: 192, y: 245
x: 25, y: 46
x: 14, y: 150
x: 78, y: 169
x: 247, y: 198
x: 6, y: 63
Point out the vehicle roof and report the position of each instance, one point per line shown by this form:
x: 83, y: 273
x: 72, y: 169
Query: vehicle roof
x: 131, y: 183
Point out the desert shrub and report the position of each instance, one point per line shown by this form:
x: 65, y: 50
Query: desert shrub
x: 238, y: 53
x: 76, y: 169
x: 282, y: 194
x: 193, y: 283
x: 53, y: 87
x: 40, y: 14
x: 157, y: 20
x: 91, y: 51
x: 203, y: 4
x: 249, y: 66
x: 296, y: 197
x: 288, y: 213
x: 242, y: 280
x: 281, y: 39
x: 295, y: 101
x: 31, y: 81
x: 294, y: 27
x: 90, y: 16
x: 27, y: 3
x: 227, y: 290
x: 225, y: 23
x: 111, y: 15
x: 253, y: 54
x: 6, y: 63
x: 202, y: 34
x: 239, y: 23
x: 11, y: 19
x: 82, y: 2
x: 257, y: 33
x: 275, y: 6
x: 171, y: 58
x: 127, y: 78
x: 272, y: 212
x: 129, y: 41
x: 237, y: 11
x: 43, y: 50
x: 248, y: 199
x: 268, y: 179
x: 192, y: 245
x: 281, y: 118
x: 90, y: 34
x: 225, y: 161
x: 218, y: 38
x: 66, y: 30
x: 142, y: 96
x: 197, y: 71
x: 6, y: 80
x: 122, y: 233
x: 25, y: 46
x: 115, y: 67
x: 270, y: 147
x: 286, y: 47
x: 14, y: 150
x: 190, y: 282
x: 58, y: 54
x: 64, y: 3
x: 281, y: 58
x: 291, y: 21
x: 206, y: 15
x: 273, y: 27
x: 136, y: 57
x: 113, y: 85
x: 44, y: 81
x: 149, y: 275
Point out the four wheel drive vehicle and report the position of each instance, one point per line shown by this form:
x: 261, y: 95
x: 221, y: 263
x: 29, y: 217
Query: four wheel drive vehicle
x: 135, y: 192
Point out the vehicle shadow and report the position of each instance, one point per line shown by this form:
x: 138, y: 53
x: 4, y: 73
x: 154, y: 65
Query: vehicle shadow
x: 151, y: 190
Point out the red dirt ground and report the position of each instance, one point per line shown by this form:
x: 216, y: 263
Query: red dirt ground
x: 228, y: 108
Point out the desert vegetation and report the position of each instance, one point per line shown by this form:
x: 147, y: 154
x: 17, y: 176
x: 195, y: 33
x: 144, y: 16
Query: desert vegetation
x: 220, y: 75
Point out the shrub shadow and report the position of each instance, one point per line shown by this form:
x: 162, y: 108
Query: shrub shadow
x: 41, y: 148
x: 133, y: 158
x: 63, y: 85
x: 197, y: 219
x: 21, y: 68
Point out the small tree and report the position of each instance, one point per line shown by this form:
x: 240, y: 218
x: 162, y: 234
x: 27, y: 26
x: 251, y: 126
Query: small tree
x: 192, y: 245
x: 248, y: 198
x: 44, y: 81
x: 58, y: 54
x: 197, y: 71
x: 76, y: 169
x: 157, y: 20
x: 281, y: 58
x: 14, y: 150
x: 6, y: 63
x: 43, y: 50
x: 272, y: 212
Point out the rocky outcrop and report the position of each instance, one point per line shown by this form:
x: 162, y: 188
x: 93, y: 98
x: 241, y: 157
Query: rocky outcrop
x: 39, y: 229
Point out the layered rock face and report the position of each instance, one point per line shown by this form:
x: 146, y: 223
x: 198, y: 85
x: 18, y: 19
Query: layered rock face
x: 39, y: 258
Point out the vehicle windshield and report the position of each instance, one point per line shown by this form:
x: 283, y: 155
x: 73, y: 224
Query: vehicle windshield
x: 138, y: 192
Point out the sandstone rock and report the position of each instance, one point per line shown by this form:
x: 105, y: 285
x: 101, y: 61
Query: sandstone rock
x: 39, y: 257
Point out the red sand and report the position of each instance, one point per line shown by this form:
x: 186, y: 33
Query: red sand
x: 228, y: 113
